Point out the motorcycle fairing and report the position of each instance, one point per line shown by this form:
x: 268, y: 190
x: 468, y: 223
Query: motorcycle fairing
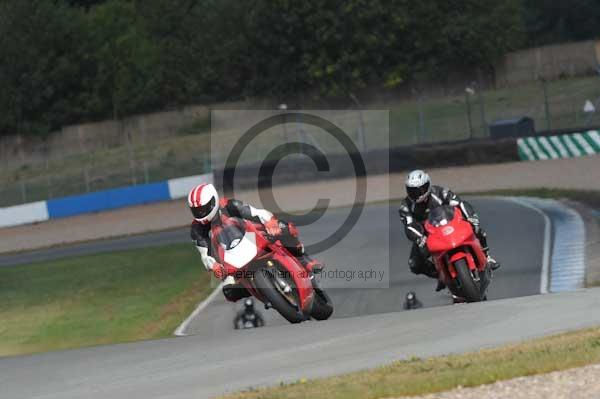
x: 443, y: 239
x: 255, y: 247
x: 455, y: 239
x: 243, y: 252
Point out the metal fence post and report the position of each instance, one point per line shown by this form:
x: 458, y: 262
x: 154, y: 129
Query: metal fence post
x: 468, y: 104
x: 362, y: 137
x: 362, y: 141
x: 420, y: 127
x: 86, y: 179
x: 484, y: 126
x: 546, y: 105
x: 48, y: 180
x: 129, y: 144
x: 146, y: 173
x: 421, y: 118
x: 23, y: 191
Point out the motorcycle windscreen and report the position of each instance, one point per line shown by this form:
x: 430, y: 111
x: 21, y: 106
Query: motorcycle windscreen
x: 441, y: 216
x: 241, y: 250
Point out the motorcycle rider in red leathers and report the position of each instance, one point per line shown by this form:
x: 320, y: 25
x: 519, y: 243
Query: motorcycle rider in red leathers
x: 207, y: 209
x: 414, y: 210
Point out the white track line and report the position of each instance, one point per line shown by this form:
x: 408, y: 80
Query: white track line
x: 547, y: 241
x: 180, y: 331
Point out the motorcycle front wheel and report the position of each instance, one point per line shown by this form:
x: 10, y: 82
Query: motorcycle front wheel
x: 265, y: 282
x: 470, y: 289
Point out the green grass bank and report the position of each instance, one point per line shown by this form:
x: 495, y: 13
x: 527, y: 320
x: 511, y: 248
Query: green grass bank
x: 99, y: 299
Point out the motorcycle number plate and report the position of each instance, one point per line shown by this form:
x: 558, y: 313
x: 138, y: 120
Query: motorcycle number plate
x: 447, y: 230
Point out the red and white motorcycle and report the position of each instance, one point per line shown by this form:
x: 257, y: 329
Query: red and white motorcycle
x: 268, y: 270
x: 457, y: 254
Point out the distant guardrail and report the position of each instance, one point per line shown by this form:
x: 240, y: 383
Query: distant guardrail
x: 392, y: 160
x: 539, y: 147
x: 100, y: 201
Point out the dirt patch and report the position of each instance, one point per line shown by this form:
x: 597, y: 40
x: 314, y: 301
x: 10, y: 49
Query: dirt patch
x: 578, y: 383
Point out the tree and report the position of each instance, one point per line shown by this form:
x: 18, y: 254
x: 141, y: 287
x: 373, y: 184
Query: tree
x: 549, y: 21
x: 67, y: 61
x: 462, y: 33
x: 334, y: 46
x: 123, y: 60
x: 40, y: 74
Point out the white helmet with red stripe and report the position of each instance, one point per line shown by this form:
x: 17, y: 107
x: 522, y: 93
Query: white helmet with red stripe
x: 204, y: 202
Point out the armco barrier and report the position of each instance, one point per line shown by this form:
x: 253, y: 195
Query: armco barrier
x: 100, y: 201
x: 23, y: 214
x: 559, y: 146
x: 109, y: 199
x: 398, y: 159
x: 180, y: 187
x: 303, y: 169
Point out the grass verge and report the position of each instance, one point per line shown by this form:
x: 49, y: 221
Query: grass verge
x: 98, y: 299
x: 421, y: 376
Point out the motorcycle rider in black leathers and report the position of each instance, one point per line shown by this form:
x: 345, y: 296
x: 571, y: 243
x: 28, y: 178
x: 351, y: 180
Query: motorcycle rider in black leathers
x: 414, y: 210
x: 207, y: 209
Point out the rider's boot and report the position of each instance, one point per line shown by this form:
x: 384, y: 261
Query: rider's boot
x: 313, y: 266
x: 431, y: 271
x: 492, y: 263
x: 440, y: 286
x: 232, y: 291
x: 228, y: 282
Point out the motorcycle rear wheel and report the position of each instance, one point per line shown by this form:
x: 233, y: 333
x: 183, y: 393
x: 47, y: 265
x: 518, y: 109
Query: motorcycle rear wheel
x: 470, y: 289
x: 322, y: 305
x: 263, y: 279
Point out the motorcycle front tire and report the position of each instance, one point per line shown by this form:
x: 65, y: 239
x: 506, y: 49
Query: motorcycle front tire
x: 470, y: 289
x: 264, y: 283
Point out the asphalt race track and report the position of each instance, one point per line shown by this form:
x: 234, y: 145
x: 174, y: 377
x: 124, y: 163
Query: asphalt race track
x: 217, y: 359
x: 515, y: 234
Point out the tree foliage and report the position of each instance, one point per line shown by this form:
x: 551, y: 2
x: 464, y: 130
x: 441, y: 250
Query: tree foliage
x: 67, y: 61
x: 551, y: 21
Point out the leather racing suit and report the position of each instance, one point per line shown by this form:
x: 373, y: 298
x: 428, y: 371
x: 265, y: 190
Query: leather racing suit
x: 413, y: 215
x: 234, y: 208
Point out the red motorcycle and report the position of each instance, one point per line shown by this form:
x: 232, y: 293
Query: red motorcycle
x: 268, y: 270
x: 457, y: 254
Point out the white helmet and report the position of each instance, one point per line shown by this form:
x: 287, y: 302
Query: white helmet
x: 418, y: 186
x: 204, y: 202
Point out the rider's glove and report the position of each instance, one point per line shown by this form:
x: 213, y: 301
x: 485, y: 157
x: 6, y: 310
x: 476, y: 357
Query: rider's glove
x: 273, y: 227
x: 219, y: 271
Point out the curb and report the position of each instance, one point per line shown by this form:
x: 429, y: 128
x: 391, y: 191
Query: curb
x: 567, y: 262
x: 546, y: 258
x: 559, y: 146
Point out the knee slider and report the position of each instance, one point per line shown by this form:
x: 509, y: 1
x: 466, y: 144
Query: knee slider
x: 413, y: 266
